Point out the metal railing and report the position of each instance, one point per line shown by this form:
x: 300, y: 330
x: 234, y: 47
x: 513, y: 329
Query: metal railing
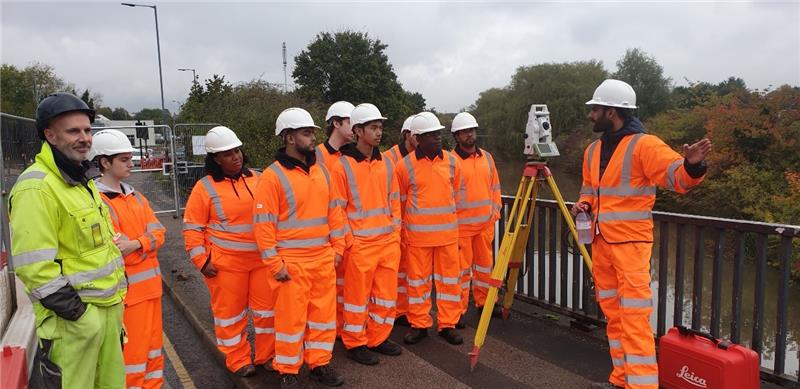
x: 748, y: 261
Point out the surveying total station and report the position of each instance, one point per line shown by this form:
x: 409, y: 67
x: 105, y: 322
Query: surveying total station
x: 538, y: 147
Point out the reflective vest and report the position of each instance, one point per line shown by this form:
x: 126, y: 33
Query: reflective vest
x: 295, y: 218
x: 394, y: 154
x: 479, y: 201
x: 368, y: 192
x: 622, y: 201
x: 218, y: 221
x: 428, y: 196
x: 61, y: 234
x: 133, y: 218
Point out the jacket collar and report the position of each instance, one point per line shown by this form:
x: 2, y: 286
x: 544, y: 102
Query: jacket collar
x: 351, y: 150
x: 402, y: 147
x: 420, y: 155
x: 125, y: 189
x: 464, y: 155
x: 328, y: 147
x: 56, y: 162
x: 290, y: 163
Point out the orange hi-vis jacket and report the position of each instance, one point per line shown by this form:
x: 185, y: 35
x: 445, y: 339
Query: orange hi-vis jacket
x: 327, y: 155
x: 479, y: 202
x: 428, y: 189
x: 396, y: 153
x: 622, y: 201
x: 374, y: 212
x: 295, y: 218
x: 134, y: 219
x: 218, y: 219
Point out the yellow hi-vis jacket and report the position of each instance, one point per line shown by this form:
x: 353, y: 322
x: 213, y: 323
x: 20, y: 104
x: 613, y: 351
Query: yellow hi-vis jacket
x: 62, y: 235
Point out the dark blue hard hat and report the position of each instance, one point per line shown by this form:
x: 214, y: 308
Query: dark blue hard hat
x: 56, y: 104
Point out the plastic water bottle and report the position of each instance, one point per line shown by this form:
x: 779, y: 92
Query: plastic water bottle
x: 584, y: 226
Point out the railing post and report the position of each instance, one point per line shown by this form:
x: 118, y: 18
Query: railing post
x: 783, y: 303
x: 663, y: 271
x: 697, y: 288
x: 716, y: 290
x: 738, y: 269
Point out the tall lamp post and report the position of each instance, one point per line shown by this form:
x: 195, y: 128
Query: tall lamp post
x: 194, y: 73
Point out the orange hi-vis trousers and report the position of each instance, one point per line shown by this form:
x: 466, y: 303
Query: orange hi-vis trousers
x: 402, y: 288
x: 232, y: 293
x: 305, y: 315
x: 370, y: 293
x: 144, y: 364
x: 622, y: 278
x: 476, y: 254
x: 426, y: 266
x: 340, y: 281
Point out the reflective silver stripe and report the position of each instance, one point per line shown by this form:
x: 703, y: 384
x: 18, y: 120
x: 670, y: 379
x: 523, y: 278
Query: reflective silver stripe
x: 287, y: 188
x: 340, y: 281
x: 229, y: 321
x: 351, y: 183
x: 475, y: 219
x: 418, y: 282
x: 480, y: 284
x: 315, y: 325
x: 628, y: 191
x: 389, y: 175
x: 111, y: 210
x: 33, y: 256
x: 337, y: 203
x: 154, y: 226
x: 402, y: 290
x: 152, y: 239
x: 352, y: 328
x: 473, y: 204
x: 229, y: 244
x: 482, y: 269
x: 318, y: 153
x: 154, y: 353
x: 31, y: 175
x: 419, y: 300
x: 144, y: 276
x: 193, y: 227
x: 212, y: 192
x: 590, y: 153
x: 133, y: 369
x: 289, y: 338
x: 340, y: 299
x: 373, y: 231
x: 230, y: 341
x: 48, y: 288
x: 327, y: 346
x: 383, y: 302
x: 381, y: 319
x: 269, y: 253
x: 448, y: 297
x: 641, y: 379
x: 233, y: 228
x: 319, y: 221
x: 412, y: 181
x: 489, y: 164
x: 635, y: 303
x: 446, y: 280
x: 339, y: 232
x: 103, y: 293
x: 91, y: 275
x: 264, y: 330
x: 465, y: 285
x: 300, y: 243
x: 452, y: 161
x: 587, y: 191
x: 640, y: 359
x: 617, y: 362
x: 154, y: 374
x: 627, y: 163
x: 195, y: 251
x: 617, y: 216
x: 403, y: 197
x: 401, y: 275
x: 286, y: 360
x: 614, y: 343
x: 264, y: 218
x: 431, y: 227
x: 369, y: 213
x: 355, y: 308
x: 263, y: 314
x: 413, y: 210
x: 606, y: 293
x: 671, y: 174
x: 394, y: 196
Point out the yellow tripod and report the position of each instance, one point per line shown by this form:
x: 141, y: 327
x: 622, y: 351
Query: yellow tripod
x: 512, y: 248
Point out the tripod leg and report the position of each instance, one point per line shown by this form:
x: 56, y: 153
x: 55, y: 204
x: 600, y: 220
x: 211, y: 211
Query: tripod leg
x: 518, y: 252
x: 568, y: 218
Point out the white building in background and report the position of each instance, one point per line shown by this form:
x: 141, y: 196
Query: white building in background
x: 147, y: 142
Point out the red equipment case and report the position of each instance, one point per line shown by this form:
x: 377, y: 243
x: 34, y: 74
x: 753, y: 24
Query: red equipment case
x: 690, y: 359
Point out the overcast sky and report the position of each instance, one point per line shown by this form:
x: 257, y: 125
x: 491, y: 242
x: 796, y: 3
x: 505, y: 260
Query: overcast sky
x: 447, y: 51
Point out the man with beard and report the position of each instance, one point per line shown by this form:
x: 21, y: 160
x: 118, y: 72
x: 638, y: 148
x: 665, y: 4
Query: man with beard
x: 363, y: 181
x: 428, y: 179
x: 63, y: 250
x: 478, y: 208
x: 620, y: 173
x: 300, y: 235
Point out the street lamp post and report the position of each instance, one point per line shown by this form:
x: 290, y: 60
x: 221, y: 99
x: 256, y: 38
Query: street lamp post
x: 194, y: 73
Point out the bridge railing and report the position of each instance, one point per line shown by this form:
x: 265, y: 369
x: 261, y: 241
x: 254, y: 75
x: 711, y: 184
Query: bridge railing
x: 728, y: 277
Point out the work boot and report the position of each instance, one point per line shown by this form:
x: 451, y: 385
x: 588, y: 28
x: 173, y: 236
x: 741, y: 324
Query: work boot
x: 387, y: 348
x: 289, y: 381
x: 246, y: 371
x: 603, y: 385
x: 268, y: 366
x: 451, y: 336
x: 497, y: 311
x: 461, y: 323
x: 326, y: 376
x: 362, y: 355
x: 402, y: 321
x: 415, y: 335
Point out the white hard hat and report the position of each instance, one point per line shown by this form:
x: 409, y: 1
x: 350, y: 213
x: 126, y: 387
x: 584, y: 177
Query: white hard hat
x: 614, y: 93
x: 341, y: 109
x: 463, y: 121
x: 109, y: 142
x: 425, y: 122
x: 364, y: 113
x: 219, y: 139
x: 406, y: 124
x: 293, y: 118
